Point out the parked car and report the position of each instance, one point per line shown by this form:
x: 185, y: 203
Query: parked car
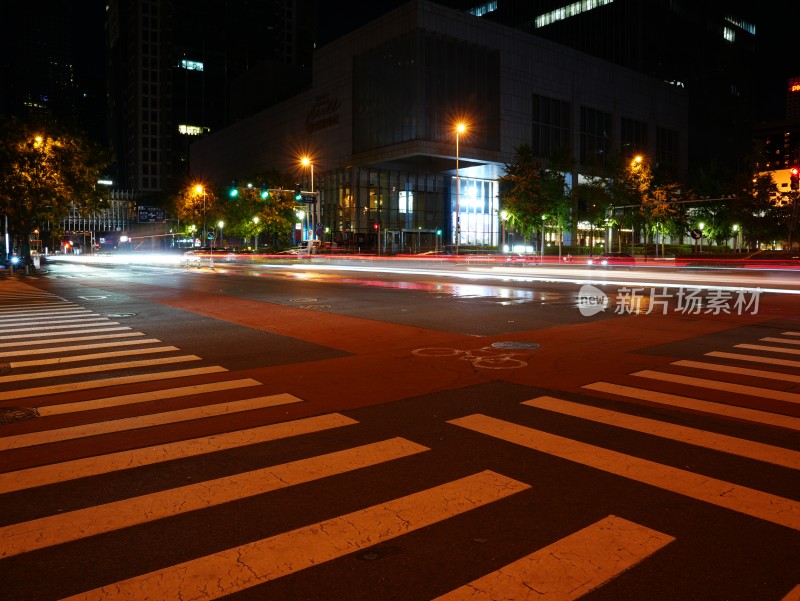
x: 612, y: 259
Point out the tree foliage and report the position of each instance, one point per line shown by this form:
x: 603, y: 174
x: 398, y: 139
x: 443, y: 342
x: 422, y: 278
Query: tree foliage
x: 45, y: 171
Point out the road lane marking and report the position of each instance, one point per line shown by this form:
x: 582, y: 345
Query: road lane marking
x: 50, y: 317
x: 59, y: 388
x: 78, y: 347
x: 772, y: 349
x: 93, y: 322
x: 73, y: 339
x: 237, y: 569
x: 111, y: 462
x: 92, y: 356
x: 793, y: 595
x: 70, y: 333
x: 143, y: 421
x: 754, y: 359
x: 570, y: 567
x: 701, y: 438
x: 143, y: 397
x: 791, y: 333
x: 731, y: 369
x: 673, y: 400
x: 74, y: 371
x: 781, y: 340
x: 748, y: 501
x: 764, y: 393
x: 61, y: 528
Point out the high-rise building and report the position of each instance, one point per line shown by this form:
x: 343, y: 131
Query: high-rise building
x: 179, y: 69
x: 706, y: 47
x: 37, y: 55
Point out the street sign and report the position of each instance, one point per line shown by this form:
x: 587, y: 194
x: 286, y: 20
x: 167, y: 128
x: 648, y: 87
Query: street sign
x: 150, y: 215
x: 309, y: 197
x: 696, y: 234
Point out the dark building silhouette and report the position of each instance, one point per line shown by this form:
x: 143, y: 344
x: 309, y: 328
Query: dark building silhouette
x: 179, y: 69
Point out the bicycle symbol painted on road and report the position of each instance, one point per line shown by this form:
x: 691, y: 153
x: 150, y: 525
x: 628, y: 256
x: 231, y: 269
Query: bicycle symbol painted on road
x: 485, y: 357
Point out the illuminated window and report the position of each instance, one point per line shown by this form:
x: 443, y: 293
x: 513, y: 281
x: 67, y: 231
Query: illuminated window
x: 191, y: 65
x: 405, y: 202
x: 729, y: 34
x: 481, y: 10
x: 570, y: 10
x: 192, y: 130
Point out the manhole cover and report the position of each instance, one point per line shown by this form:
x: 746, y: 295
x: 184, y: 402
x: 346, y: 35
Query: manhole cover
x: 120, y: 314
x: 302, y: 300
x: 515, y: 345
x: 9, y: 415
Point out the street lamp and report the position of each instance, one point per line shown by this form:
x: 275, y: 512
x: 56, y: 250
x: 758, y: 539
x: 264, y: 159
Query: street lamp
x: 220, y: 224
x: 199, y: 189
x: 306, y: 161
x: 255, y: 236
x: 461, y: 127
x: 701, y: 225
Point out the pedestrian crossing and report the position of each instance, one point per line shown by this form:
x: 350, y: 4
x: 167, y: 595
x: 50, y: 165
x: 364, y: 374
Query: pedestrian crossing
x: 569, y: 567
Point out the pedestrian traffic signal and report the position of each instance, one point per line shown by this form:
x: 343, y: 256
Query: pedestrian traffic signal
x: 795, y: 178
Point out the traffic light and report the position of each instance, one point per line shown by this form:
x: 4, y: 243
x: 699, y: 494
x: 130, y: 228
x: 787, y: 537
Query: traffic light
x: 376, y: 226
x: 298, y: 193
x: 233, y: 192
x: 795, y: 178
x: 264, y: 193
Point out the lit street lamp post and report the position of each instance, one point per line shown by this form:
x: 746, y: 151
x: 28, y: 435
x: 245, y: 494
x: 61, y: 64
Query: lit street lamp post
x: 255, y: 236
x: 221, y: 224
x: 199, y: 189
x: 314, y: 219
x: 460, y: 129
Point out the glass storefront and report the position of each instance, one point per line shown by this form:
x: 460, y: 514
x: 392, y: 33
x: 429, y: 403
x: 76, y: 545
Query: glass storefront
x: 478, y: 210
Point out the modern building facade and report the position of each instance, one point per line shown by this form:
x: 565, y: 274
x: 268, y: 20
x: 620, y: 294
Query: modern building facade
x: 706, y: 48
x: 378, y: 122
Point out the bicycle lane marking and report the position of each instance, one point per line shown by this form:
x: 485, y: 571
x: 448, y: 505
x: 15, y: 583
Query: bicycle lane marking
x: 485, y: 357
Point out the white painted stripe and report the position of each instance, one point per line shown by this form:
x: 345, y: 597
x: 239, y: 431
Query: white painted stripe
x: 748, y: 501
x: 791, y: 333
x: 780, y: 340
x: 144, y: 397
x: 764, y: 393
x: 59, y: 388
x: 793, y: 595
x: 92, y: 356
x: 79, y: 347
x: 74, y: 371
x: 75, y: 525
x: 93, y: 322
x: 672, y: 400
x: 693, y: 436
x: 72, y: 339
x: 227, y: 572
x: 771, y: 349
x: 570, y: 567
x: 143, y: 421
x: 730, y: 369
x: 94, y: 330
x: 74, y: 320
x: 754, y: 359
x: 123, y: 460
x: 47, y: 316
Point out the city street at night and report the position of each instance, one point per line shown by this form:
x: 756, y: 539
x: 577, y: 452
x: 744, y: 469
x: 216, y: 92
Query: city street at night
x: 361, y: 429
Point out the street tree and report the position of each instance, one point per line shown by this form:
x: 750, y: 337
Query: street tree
x: 521, y: 192
x: 46, y: 171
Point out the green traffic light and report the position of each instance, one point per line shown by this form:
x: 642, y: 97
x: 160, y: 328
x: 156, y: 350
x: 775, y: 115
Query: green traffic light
x: 265, y: 194
x: 233, y: 193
